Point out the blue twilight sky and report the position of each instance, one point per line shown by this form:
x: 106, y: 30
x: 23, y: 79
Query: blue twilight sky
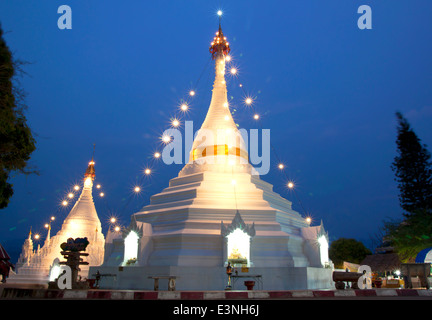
x: 327, y: 90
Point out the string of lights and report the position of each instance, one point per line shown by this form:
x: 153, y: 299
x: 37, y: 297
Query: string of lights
x: 281, y: 166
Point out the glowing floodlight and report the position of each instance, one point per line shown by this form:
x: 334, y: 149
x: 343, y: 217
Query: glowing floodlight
x: 191, y: 93
x: 70, y: 195
x: 157, y: 155
x: 256, y: 116
x: 219, y: 13
x: 281, y: 166
x: 76, y: 187
x: 113, y: 220
x: 184, y: 107
x: 137, y: 189
x: 175, y: 123
x: 64, y: 203
x: 147, y: 171
x: 248, y: 101
x: 166, y: 138
x: 290, y: 185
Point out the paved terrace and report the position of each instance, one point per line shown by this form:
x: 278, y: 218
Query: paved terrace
x: 10, y: 292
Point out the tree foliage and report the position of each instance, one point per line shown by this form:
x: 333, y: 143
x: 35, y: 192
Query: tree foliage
x: 349, y: 250
x: 410, y: 235
x: 16, y: 140
x: 413, y: 173
x: 413, y: 170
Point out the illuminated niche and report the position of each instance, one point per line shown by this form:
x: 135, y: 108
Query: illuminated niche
x: 324, y: 247
x: 55, y: 270
x: 237, y: 241
x: 131, y: 240
x: 131, y: 247
x: 323, y: 244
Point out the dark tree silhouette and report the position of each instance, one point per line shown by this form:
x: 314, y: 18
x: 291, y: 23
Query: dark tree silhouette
x: 413, y: 170
x: 16, y: 139
x: 349, y: 250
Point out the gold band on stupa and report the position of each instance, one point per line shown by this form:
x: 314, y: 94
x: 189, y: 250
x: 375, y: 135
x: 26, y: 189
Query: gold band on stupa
x: 218, y: 150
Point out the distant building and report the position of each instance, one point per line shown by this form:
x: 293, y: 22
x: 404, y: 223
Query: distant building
x: 5, y: 264
x: 33, y: 266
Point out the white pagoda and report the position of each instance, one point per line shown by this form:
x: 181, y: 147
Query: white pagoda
x: 33, y: 266
x: 216, y: 212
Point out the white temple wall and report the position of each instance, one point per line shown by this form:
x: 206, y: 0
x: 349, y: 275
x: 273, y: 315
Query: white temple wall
x: 187, y: 250
x: 311, y: 250
x: 146, y: 244
x: 114, y: 253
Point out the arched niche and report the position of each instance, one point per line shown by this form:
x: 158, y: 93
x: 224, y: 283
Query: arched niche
x: 323, y: 244
x: 131, y: 241
x: 237, y: 238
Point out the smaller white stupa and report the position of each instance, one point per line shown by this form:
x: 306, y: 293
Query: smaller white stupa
x: 33, y: 266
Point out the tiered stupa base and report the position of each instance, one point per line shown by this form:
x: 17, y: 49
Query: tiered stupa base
x: 181, y: 237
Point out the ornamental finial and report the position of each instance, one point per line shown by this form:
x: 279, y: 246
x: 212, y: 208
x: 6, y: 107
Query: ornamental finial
x: 90, y: 172
x: 220, y: 44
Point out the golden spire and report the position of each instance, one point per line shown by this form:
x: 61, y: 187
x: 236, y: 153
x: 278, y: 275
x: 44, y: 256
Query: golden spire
x: 226, y: 139
x: 220, y: 44
x: 90, y: 172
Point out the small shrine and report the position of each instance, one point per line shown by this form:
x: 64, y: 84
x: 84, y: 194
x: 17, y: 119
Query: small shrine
x: 237, y: 239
